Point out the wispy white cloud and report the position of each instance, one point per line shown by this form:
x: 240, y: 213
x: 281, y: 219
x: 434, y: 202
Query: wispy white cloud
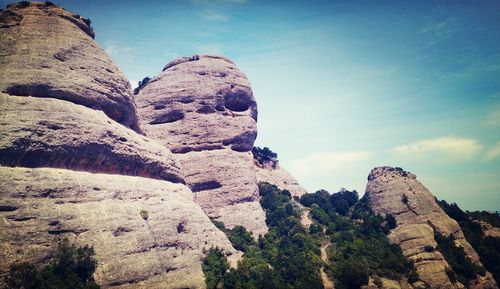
x: 493, y: 118
x: 495, y: 95
x: 440, y: 30
x: 327, y: 161
x: 113, y: 49
x: 212, y: 15
x: 494, y: 152
x: 331, y: 170
x: 447, y: 148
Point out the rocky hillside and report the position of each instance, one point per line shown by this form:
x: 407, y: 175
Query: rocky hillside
x: 77, y: 163
x: 74, y: 166
x: 157, y: 180
x: 395, y: 192
x: 271, y: 172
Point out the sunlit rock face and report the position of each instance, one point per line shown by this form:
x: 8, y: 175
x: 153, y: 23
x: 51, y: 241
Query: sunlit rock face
x: 73, y: 164
x: 272, y: 172
x: 398, y: 193
x: 49, y: 52
x: 203, y: 109
x: 45, y: 132
x: 199, y: 103
x: 146, y: 233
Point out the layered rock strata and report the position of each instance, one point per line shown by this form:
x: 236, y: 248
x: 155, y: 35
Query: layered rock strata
x: 49, y: 52
x: 146, y: 233
x: 203, y: 109
x: 71, y: 167
x: 44, y: 132
x: 398, y: 193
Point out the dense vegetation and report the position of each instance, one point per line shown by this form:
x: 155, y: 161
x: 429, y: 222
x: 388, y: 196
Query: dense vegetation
x: 289, y: 256
x: 361, y: 248
x: 488, y: 248
x: 72, y: 268
x: 286, y: 257
x: 463, y: 268
x: 262, y: 155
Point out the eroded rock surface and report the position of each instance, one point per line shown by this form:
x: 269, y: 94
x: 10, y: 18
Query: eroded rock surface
x: 225, y: 186
x: 45, y: 132
x: 199, y: 103
x: 399, y: 193
x: 203, y: 109
x: 163, y: 250
x: 49, y: 52
x: 273, y: 173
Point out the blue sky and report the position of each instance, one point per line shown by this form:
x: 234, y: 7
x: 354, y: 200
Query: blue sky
x: 342, y: 86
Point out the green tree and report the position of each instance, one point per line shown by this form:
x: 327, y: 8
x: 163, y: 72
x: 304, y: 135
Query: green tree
x: 215, y: 266
x: 71, y: 268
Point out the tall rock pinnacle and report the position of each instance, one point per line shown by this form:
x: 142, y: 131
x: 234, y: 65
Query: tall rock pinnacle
x: 203, y: 109
x: 398, y: 193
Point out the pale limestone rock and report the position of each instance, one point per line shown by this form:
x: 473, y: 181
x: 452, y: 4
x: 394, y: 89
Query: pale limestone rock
x: 386, y: 192
x: 199, y: 103
x: 387, y: 284
x: 50, y: 52
x: 41, y: 206
x: 45, y: 132
x: 489, y: 230
x: 225, y: 186
x: 203, y: 109
x: 273, y: 173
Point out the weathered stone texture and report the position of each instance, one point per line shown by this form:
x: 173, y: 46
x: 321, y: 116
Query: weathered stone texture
x: 272, y: 172
x: 36, y: 132
x: 49, y: 52
x: 397, y: 192
x: 203, y: 109
x: 163, y: 250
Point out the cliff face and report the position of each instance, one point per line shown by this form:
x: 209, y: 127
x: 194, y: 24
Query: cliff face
x: 163, y: 250
x: 49, y: 52
x: 44, y: 132
x: 399, y: 193
x: 202, y: 107
x: 72, y: 164
x: 272, y: 172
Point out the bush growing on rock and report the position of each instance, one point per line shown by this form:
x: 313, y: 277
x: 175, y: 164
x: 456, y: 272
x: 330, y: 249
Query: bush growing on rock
x: 262, y: 155
x: 24, y: 4
x: 488, y: 248
x: 404, y: 199
x: 142, y: 84
x: 429, y: 249
x: 72, y: 268
x: 361, y: 248
x: 144, y: 214
x: 215, y: 266
x: 463, y: 268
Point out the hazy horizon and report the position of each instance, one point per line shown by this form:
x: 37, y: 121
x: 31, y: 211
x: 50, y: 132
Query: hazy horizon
x: 342, y: 86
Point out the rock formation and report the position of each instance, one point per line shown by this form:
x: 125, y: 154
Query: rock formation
x: 273, y: 173
x: 161, y: 247
x: 203, y: 109
x: 50, y: 52
x: 72, y: 164
x: 397, y: 192
x: 44, y: 132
